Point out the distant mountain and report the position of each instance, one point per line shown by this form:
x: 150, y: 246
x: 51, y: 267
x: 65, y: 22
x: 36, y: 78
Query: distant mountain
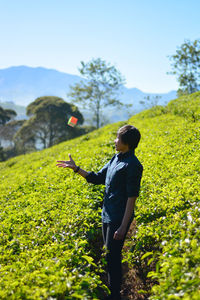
x: 22, y: 85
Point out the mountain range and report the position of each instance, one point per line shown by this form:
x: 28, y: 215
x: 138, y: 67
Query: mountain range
x: 21, y: 85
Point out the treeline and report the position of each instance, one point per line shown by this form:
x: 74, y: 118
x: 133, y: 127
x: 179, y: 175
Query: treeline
x: 47, y: 125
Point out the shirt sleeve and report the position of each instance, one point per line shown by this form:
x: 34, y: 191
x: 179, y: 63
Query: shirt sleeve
x: 97, y: 178
x: 134, y: 175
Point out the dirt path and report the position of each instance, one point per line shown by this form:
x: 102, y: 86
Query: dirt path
x: 133, y: 280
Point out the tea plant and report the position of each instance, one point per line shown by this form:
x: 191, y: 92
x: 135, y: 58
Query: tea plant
x: 167, y: 243
x: 50, y: 224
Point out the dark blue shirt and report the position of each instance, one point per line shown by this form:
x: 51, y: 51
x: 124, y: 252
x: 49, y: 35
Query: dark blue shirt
x: 122, y: 177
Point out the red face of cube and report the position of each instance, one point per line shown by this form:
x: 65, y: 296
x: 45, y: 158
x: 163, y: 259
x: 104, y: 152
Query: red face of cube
x: 72, y: 121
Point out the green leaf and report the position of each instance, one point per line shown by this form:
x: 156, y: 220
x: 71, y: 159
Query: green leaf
x: 146, y: 255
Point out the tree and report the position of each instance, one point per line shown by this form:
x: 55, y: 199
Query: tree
x: 2, y: 155
x: 8, y: 128
x: 47, y: 124
x: 8, y: 131
x: 150, y: 101
x: 6, y: 115
x: 186, y: 66
x: 25, y: 139
x: 99, y: 89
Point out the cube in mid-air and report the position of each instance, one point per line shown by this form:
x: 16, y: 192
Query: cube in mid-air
x: 72, y: 121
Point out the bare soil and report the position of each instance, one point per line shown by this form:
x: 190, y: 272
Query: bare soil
x: 133, y: 280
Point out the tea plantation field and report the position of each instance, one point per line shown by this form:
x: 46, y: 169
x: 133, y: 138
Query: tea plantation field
x: 50, y: 223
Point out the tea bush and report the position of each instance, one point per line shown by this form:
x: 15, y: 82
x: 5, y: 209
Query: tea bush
x: 50, y: 220
x: 167, y: 242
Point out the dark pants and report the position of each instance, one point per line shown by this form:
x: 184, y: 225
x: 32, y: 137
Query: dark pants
x: 113, y: 256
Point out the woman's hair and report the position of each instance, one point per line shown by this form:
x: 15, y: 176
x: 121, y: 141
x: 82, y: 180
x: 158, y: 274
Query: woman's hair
x: 130, y: 136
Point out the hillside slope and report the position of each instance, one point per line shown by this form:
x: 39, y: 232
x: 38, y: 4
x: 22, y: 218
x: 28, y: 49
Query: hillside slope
x: 50, y: 218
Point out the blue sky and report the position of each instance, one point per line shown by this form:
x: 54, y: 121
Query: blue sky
x: 134, y: 35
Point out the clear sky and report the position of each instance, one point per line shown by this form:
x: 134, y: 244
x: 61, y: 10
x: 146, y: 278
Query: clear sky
x: 134, y: 35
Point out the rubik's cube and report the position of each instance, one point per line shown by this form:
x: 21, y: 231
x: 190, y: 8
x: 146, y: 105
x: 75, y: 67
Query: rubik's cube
x: 72, y: 121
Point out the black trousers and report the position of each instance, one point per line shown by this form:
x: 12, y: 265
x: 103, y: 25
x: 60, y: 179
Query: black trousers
x: 113, y: 256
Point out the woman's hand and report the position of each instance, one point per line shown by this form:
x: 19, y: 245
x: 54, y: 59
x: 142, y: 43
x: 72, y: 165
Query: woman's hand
x: 67, y: 163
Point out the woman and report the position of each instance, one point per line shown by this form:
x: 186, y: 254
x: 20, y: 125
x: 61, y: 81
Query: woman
x: 121, y: 176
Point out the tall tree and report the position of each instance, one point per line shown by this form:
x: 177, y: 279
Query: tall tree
x: 2, y: 155
x: 99, y: 89
x: 186, y: 66
x: 150, y: 101
x: 8, y: 131
x: 47, y: 125
x: 6, y: 115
